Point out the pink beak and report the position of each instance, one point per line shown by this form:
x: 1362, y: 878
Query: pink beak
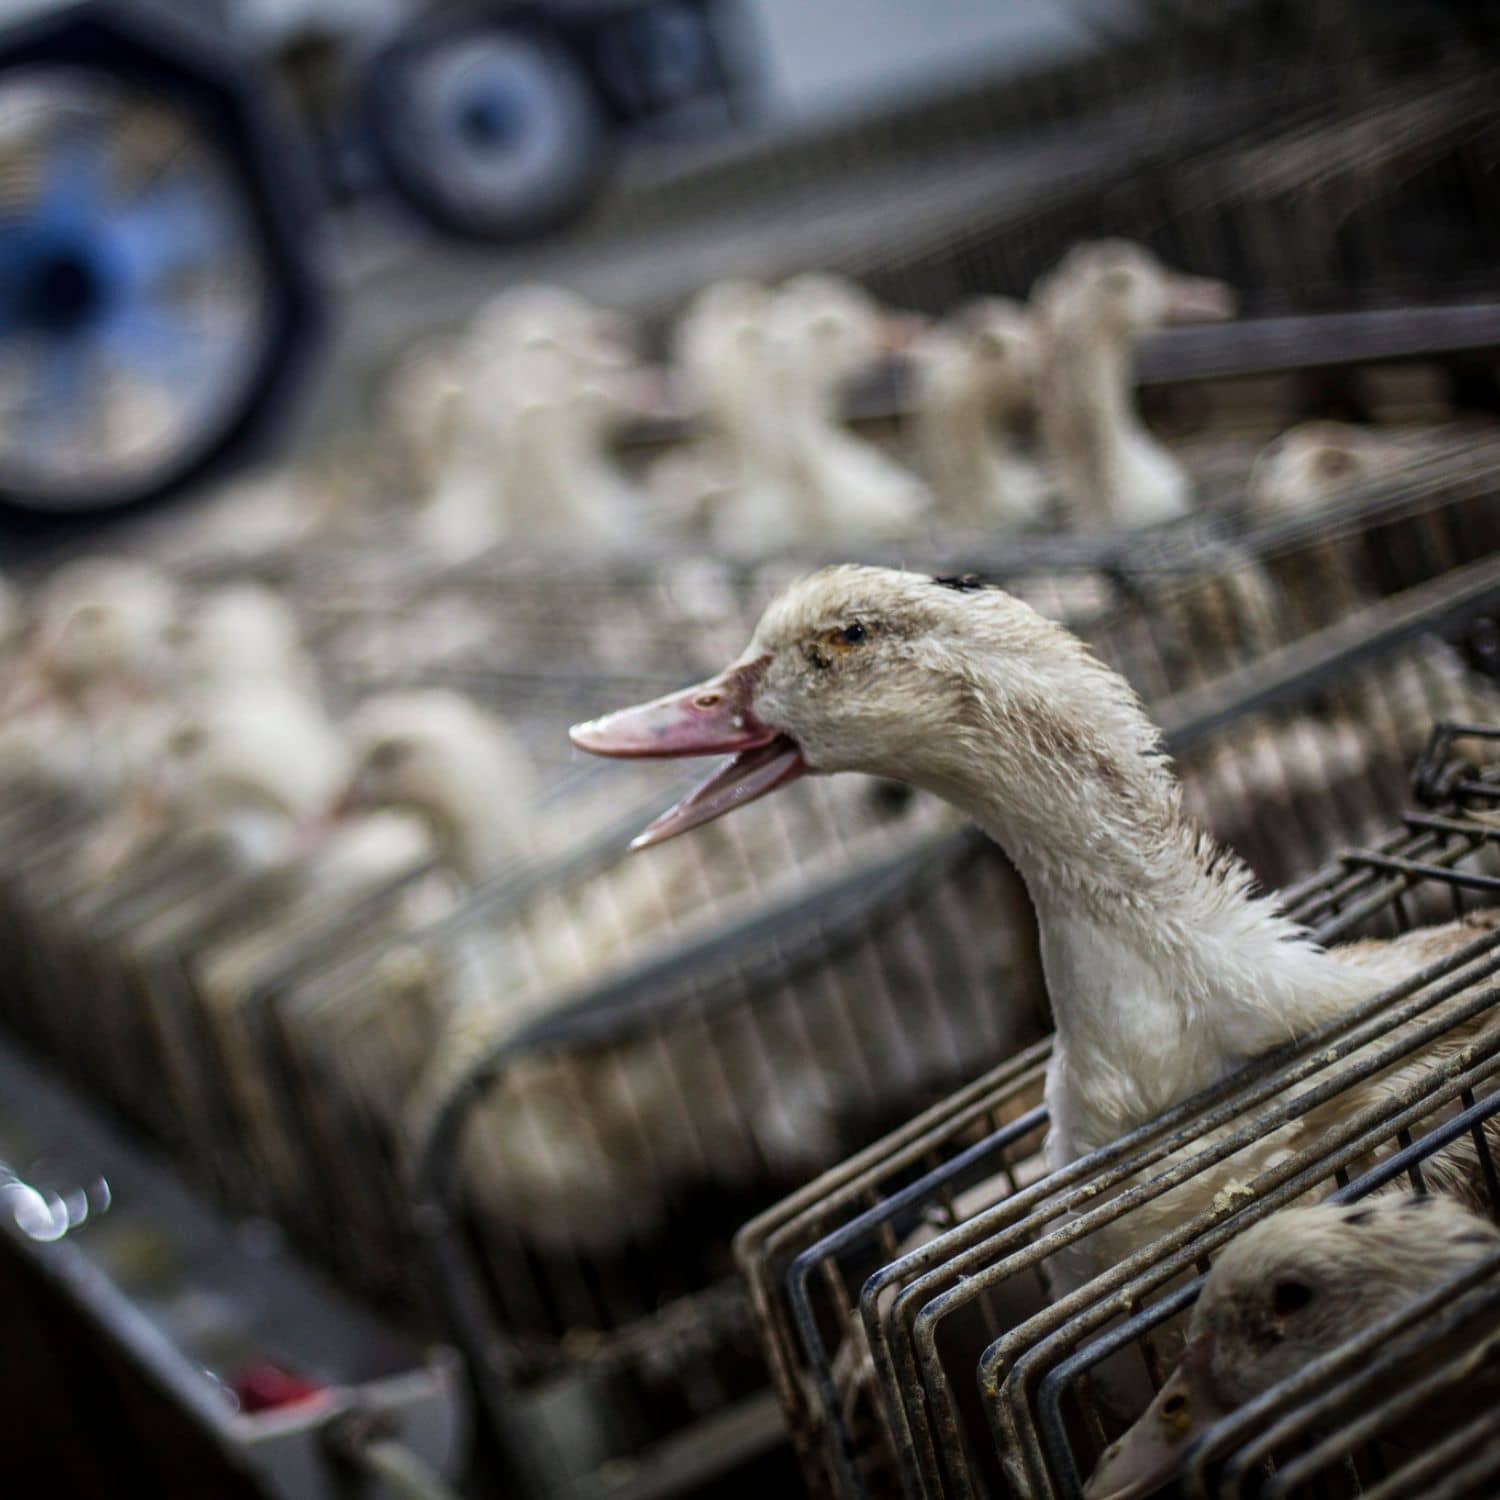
x: 713, y: 718
x: 1200, y: 299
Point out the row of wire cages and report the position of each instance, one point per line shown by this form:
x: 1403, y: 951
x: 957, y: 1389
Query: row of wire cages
x: 533, y: 1113
x: 916, y: 1304
x: 535, y: 1120
x: 781, y: 987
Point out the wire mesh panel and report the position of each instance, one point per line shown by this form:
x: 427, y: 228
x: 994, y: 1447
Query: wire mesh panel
x: 918, y: 1303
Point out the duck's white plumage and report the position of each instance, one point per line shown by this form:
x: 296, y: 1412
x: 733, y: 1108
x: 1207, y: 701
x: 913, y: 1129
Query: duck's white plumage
x: 975, y: 384
x: 438, y: 756
x: 1089, y: 311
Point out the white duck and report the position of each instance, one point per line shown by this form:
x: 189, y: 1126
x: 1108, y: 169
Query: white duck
x: 86, y: 690
x: 1315, y: 464
x: 1089, y: 312
x: 772, y: 369
x: 442, y: 759
x: 250, y: 768
x: 1286, y: 1292
x: 740, y: 464
x: 1165, y: 970
x: 242, y: 635
x: 975, y: 384
x: 822, y: 333
x: 547, y: 379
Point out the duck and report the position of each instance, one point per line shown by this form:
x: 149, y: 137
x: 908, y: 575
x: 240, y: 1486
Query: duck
x: 738, y: 467
x: 1315, y: 464
x: 439, y: 757
x: 974, y: 386
x: 548, y: 379
x: 1167, y: 968
x: 88, y: 680
x: 1089, y: 312
x: 239, y: 636
x: 804, y: 476
x: 822, y: 333
x: 245, y: 769
x: 1286, y: 1292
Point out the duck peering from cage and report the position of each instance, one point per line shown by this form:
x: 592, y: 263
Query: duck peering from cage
x: 1286, y: 1293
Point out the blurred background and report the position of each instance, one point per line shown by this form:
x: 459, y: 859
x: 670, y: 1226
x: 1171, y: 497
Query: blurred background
x: 385, y: 385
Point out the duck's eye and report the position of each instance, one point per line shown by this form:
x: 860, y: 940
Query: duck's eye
x: 186, y: 741
x: 845, y: 637
x: 388, y: 755
x: 1117, y: 282
x: 1289, y: 1297
x: 1335, y: 462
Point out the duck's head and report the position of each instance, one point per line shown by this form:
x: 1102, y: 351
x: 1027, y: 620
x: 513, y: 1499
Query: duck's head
x: 827, y: 330
x: 1316, y: 462
x: 939, y: 683
x: 442, y: 758
x: 242, y: 632
x: 1284, y: 1293
x: 103, y: 620
x: 997, y: 335
x: 1122, y: 289
x: 262, y: 751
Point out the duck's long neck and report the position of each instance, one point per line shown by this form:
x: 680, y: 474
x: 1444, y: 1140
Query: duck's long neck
x: 1093, y: 380
x: 1164, y: 970
x: 475, y: 831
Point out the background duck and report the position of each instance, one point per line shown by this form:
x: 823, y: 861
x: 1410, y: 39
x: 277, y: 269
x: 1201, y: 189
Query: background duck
x: 1286, y: 1292
x: 1089, y: 312
x: 1315, y: 463
x: 87, y: 686
x: 437, y: 756
x: 825, y: 332
x: 975, y: 387
x: 738, y: 467
x: 544, y: 378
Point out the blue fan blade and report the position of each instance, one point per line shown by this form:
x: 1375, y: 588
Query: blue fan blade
x: 63, y: 395
x: 73, y: 183
x: 172, y: 226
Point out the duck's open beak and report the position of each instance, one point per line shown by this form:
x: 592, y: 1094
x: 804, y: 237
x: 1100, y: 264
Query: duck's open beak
x: 1150, y: 1454
x: 1200, y: 299
x: 713, y: 718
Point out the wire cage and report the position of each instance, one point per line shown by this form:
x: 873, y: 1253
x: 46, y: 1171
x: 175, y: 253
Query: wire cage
x: 903, y: 1299
x: 911, y: 938
x: 711, y: 1014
